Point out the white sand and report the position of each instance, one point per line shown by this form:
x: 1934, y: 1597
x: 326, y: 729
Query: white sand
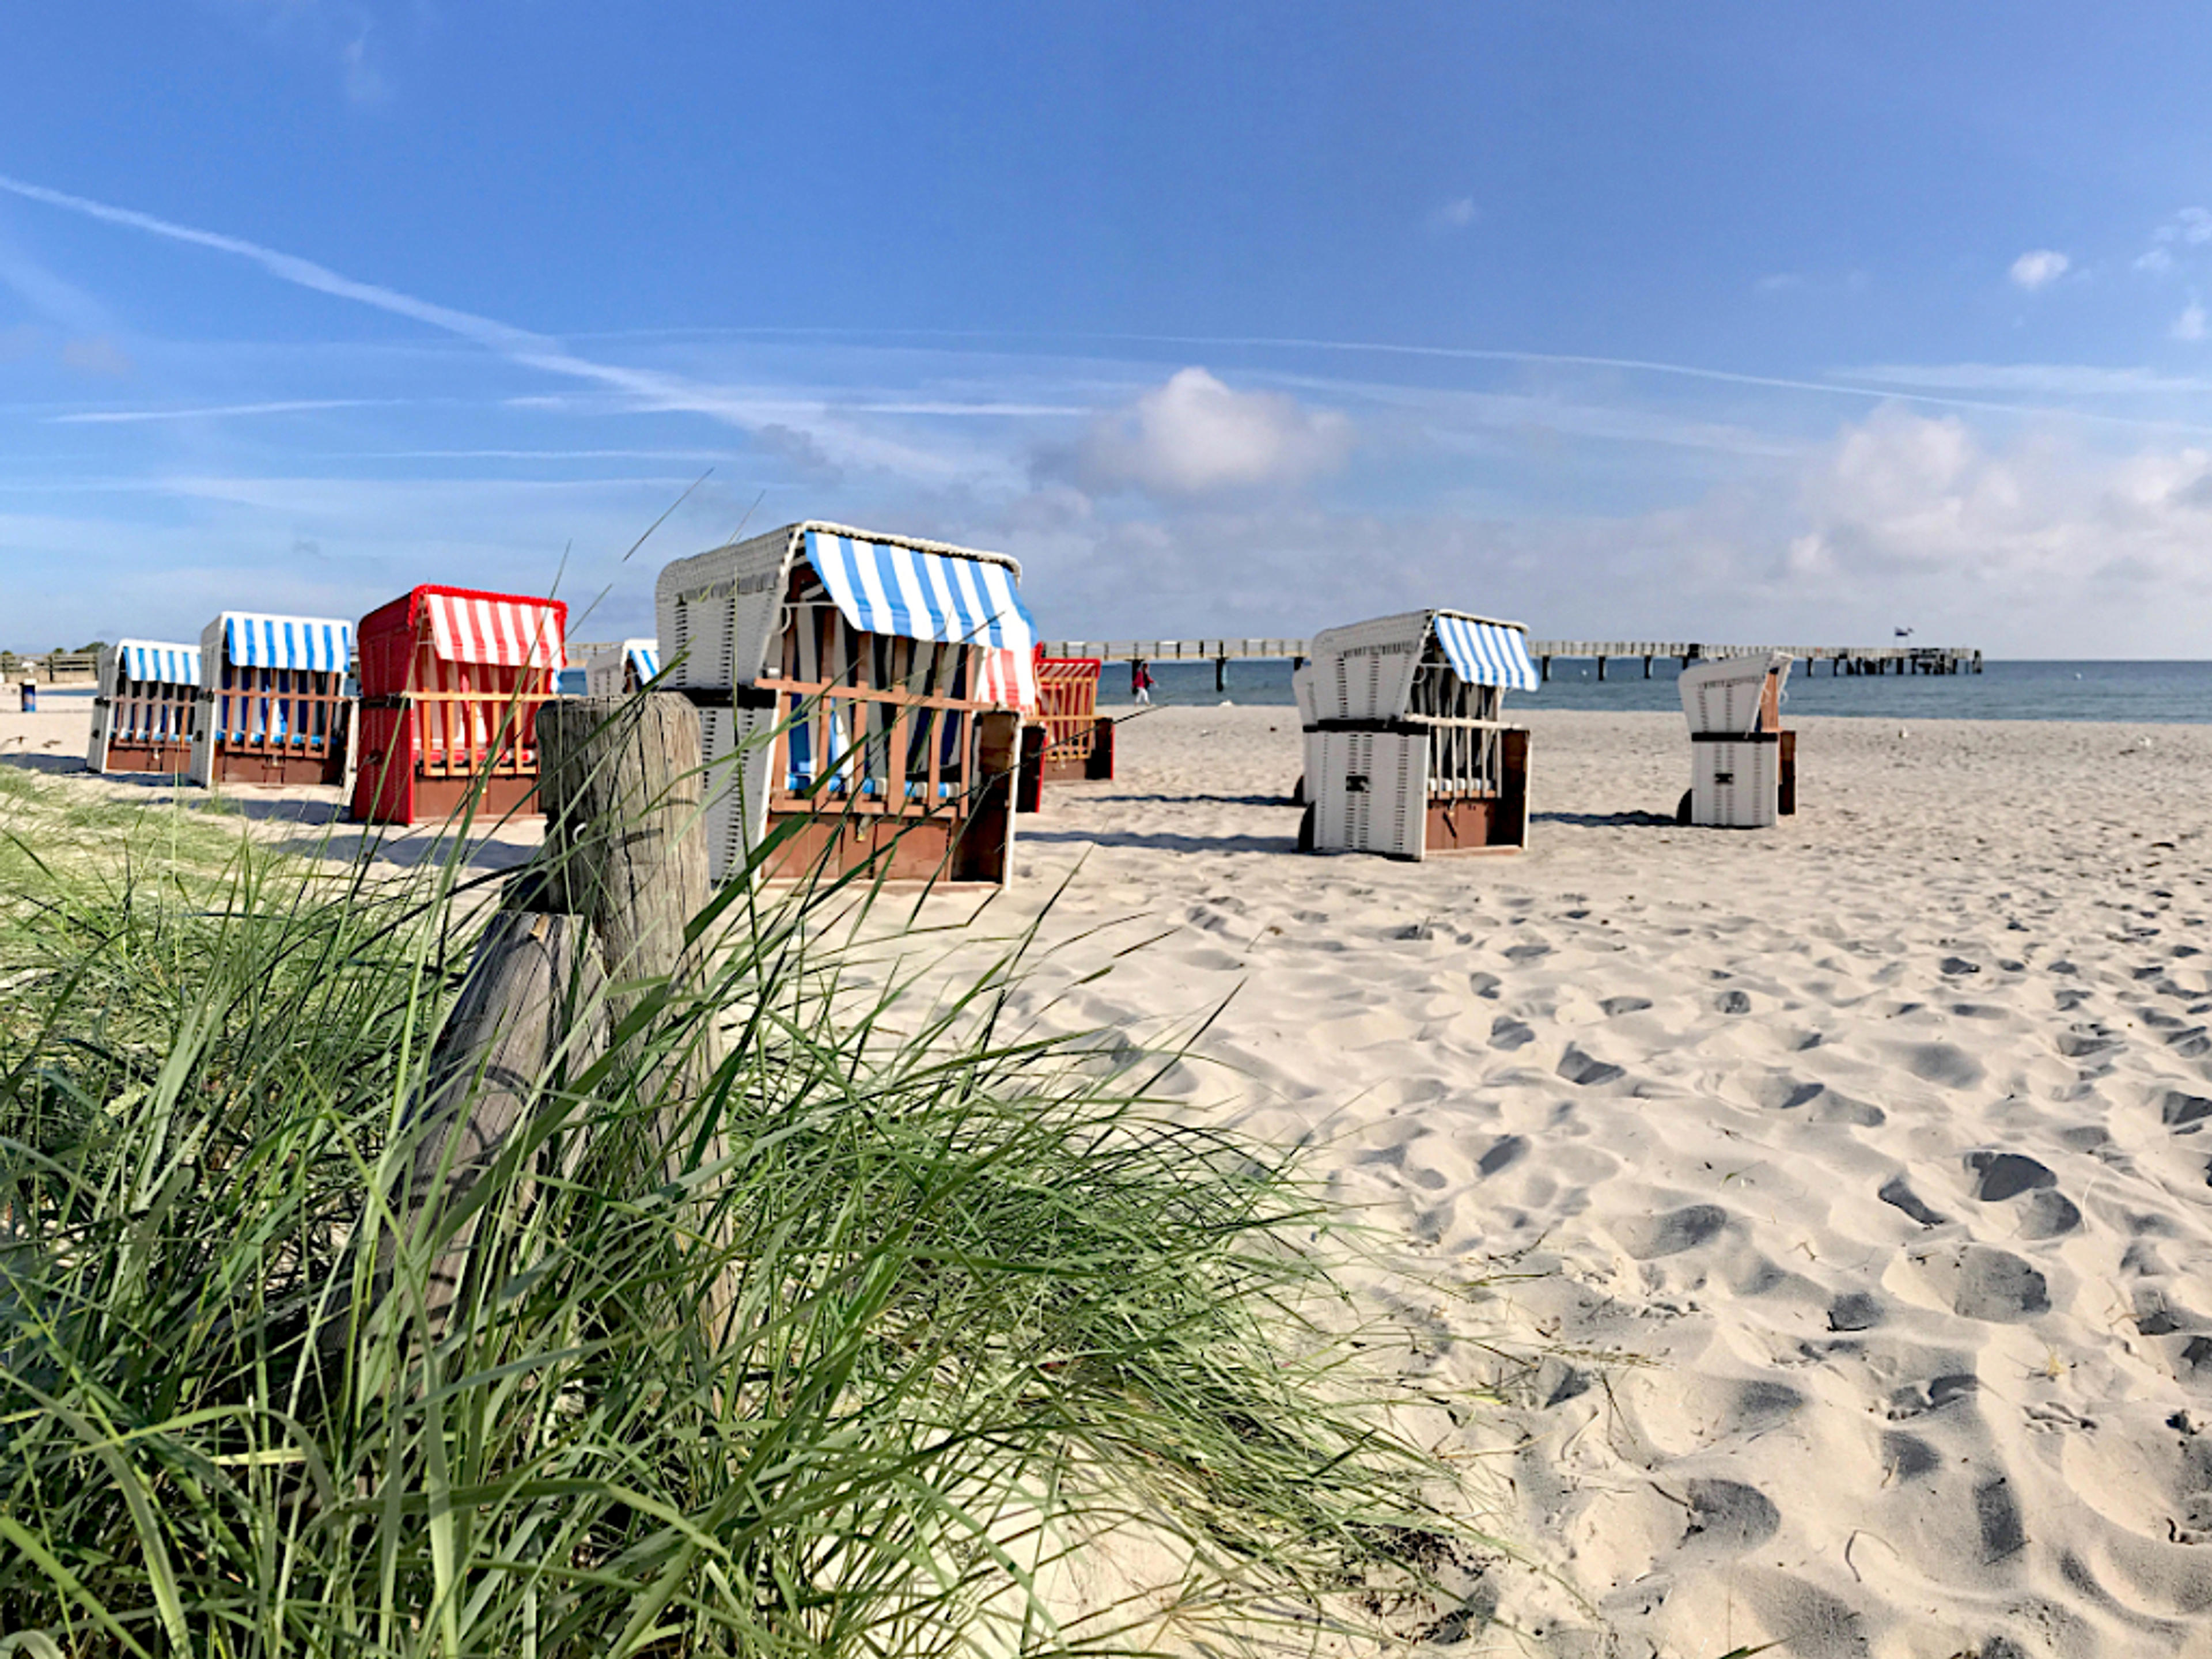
x: 1860, y: 1156
x: 1858, y: 1162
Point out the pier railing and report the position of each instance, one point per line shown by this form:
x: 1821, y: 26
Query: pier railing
x: 1841, y: 658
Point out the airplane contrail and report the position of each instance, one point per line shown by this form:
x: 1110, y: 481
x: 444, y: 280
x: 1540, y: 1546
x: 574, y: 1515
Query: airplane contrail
x: 657, y: 389
x: 654, y: 388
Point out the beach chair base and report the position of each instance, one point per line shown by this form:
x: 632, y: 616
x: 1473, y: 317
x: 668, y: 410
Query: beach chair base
x: 437, y: 799
x: 1734, y: 774
x: 945, y: 850
x: 1079, y: 763
x: 1456, y: 827
x: 279, y: 771
x: 170, y: 757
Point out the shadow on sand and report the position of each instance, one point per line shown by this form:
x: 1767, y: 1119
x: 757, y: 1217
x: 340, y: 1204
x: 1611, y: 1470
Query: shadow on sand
x: 1160, y: 841
x: 1608, y: 820
x: 52, y: 764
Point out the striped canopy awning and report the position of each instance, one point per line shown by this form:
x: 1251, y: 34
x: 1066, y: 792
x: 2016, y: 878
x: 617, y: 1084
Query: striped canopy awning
x: 885, y: 588
x: 1486, y: 653
x: 644, y: 657
x: 502, y: 633
x: 159, y: 662
x: 882, y: 587
x: 317, y: 643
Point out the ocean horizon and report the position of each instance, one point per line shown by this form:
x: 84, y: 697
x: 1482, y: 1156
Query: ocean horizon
x: 2175, y: 693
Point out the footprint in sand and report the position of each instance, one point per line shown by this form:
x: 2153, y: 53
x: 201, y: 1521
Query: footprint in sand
x: 1833, y: 1107
x: 1647, y: 1238
x: 2180, y: 1111
x: 2090, y: 1038
x: 1587, y: 1070
x: 1613, y: 1007
x: 1942, y: 1062
x: 2049, y: 1214
x: 1727, y: 1517
x: 1898, y: 1193
x: 1997, y: 1513
x: 2007, y: 1175
x: 1504, y: 1151
x: 1781, y: 1091
x: 1854, y: 1310
x: 1509, y: 1034
x: 1981, y: 1282
x: 1907, y: 1456
x: 1919, y: 1399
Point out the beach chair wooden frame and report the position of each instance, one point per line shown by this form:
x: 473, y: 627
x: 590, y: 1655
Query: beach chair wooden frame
x: 1079, y: 743
x: 1407, y: 752
x: 273, y: 706
x: 1743, y: 761
x: 452, y: 679
x: 143, y: 695
x: 861, y: 696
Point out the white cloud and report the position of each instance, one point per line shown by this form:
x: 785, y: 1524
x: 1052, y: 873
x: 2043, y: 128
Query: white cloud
x: 2192, y: 225
x: 1456, y: 215
x: 2190, y: 325
x: 96, y: 354
x: 2042, y: 539
x: 364, y: 81
x: 2041, y: 545
x: 2039, y: 268
x: 2188, y: 228
x: 1194, y: 435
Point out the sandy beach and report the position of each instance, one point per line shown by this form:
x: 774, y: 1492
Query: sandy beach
x: 1856, y: 1166
x: 1852, y: 1176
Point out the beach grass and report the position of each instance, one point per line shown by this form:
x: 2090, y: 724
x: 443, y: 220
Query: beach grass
x: 927, y: 1338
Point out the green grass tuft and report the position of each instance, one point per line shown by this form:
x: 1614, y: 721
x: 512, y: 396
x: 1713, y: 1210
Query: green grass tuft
x: 922, y: 1330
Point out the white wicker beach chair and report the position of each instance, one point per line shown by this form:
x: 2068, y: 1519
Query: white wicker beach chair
x: 621, y: 669
x: 1742, y: 763
x: 1406, y: 753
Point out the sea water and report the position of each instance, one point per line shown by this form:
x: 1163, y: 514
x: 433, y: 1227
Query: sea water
x: 2164, y: 692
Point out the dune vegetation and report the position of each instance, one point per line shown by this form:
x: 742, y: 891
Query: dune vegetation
x: 926, y: 1338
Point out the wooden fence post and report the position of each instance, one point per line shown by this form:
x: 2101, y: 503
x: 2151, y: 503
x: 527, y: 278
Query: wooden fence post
x: 625, y: 840
x: 587, y: 929
x: 531, y: 1010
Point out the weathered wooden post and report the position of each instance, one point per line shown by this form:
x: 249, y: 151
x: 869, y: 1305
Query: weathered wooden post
x: 529, y: 1014
x: 591, y: 929
x: 626, y: 848
x: 625, y: 841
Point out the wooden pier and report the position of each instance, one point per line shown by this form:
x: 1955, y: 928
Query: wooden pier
x: 1841, y: 658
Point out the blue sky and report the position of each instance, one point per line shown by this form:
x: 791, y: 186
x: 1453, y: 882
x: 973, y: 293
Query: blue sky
x: 1718, y: 321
